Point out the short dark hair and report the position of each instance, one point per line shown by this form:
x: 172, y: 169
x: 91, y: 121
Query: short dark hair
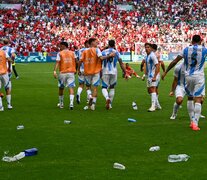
x: 127, y: 63
x: 64, y: 44
x: 91, y: 40
x: 86, y: 42
x: 111, y: 43
x: 196, y: 39
x: 5, y: 41
x: 154, y: 46
x: 147, y: 44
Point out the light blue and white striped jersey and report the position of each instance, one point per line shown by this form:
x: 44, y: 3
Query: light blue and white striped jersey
x: 194, y: 59
x: 79, y: 57
x: 8, y: 50
x: 151, y: 60
x: 179, y: 73
x: 109, y: 66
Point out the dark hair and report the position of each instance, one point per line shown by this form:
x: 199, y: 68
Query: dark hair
x: 147, y: 44
x: 6, y: 41
x: 64, y: 44
x: 196, y: 39
x: 127, y: 63
x: 91, y: 40
x: 154, y: 46
x: 111, y: 43
x: 86, y: 42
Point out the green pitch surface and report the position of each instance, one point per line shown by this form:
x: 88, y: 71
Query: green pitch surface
x: 87, y: 148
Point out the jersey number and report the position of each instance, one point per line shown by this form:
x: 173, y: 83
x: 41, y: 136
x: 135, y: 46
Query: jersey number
x: 193, y: 59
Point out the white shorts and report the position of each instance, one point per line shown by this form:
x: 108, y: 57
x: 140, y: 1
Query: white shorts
x: 66, y: 80
x: 92, y: 79
x: 4, y: 81
x: 195, y: 86
x: 180, y: 91
x: 81, y: 79
x: 153, y: 84
x: 109, y: 80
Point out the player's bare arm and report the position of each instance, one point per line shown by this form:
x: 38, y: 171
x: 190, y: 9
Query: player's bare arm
x: 156, y: 72
x: 122, y: 65
x: 55, y: 69
x: 113, y: 54
x: 142, y: 65
x: 171, y: 65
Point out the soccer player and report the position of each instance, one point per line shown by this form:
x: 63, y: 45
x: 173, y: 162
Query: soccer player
x: 194, y: 59
x: 11, y: 52
x: 4, y: 78
x: 92, y: 60
x: 109, y: 73
x: 152, y: 71
x: 81, y: 77
x: 130, y: 72
x: 66, y: 62
x: 178, y: 88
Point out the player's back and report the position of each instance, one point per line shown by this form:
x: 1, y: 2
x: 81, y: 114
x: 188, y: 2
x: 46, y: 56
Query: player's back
x: 3, y: 62
x: 92, y: 63
x: 109, y: 66
x: 67, y: 61
x: 194, y: 59
x: 179, y: 72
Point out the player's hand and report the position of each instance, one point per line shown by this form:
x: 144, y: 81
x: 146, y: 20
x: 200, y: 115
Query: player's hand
x: 171, y: 94
x: 153, y: 79
x: 163, y: 76
x: 113, y: 54
x: 55, y: 74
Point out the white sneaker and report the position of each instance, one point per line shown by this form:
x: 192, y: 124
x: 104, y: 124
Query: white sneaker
x: 60, y: 105
x: 151, y: 109
x: 71, y: 106
x: 93, y: 107
x: 9, y: 106
x: 202, y: 116
x: 173, y: 117
x: 158, y: 107
x: 110, y: 106
x: 2, y: 108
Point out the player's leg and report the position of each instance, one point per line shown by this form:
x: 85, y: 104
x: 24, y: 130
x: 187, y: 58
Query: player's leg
x: 202, y: 116
x: 135, y: 74
x: 152, y: 91
x: 7, y: 86
x: 1, y: 104
x: 158, y: 106
x: 179, y: 94
x: 113, y: 82
x: 95, y: 83
x: 61, y: 85
x: 105, y: 85
x: 15, y: 72
x: 88, y: 80
x: 80, y: 88
x: 71, y: 85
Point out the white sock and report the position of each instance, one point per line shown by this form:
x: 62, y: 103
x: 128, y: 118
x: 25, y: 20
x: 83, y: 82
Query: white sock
x: 111, y: 94
x: 71, y: 99
x: 157, y: 102
x: 61, y: 99
x: 153, y: 99
x: 8, y: 98
x: 190, y: 107
x: 1, y: 105
x: 80, y: 89
x: 94, y: 100
x: 175, y: 108
x: 197, y: 111
x: 89, y: 94
x: 105, y: 93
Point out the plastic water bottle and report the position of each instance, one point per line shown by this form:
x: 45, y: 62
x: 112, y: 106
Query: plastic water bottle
x: 31, y: 152
x: 119, y: 166
x: 178, y: 158
x: 134, y: 106
x: 67, y: 122
x: 154, y: 148
x: 20, y: 127
x: 85, y: 108
x: 132, y: 120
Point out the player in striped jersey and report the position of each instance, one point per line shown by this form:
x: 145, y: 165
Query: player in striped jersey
x: 194, y: 60
x: 81, y: 77
x: 109, y: 73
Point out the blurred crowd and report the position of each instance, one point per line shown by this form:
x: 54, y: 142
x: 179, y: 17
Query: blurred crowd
x: 41, y: 24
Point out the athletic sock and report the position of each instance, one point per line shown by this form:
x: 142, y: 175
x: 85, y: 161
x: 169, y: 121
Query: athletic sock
x: 94, y: 100
x: 175, y: 108
x: 61, y: 99
x: 197, y: 111
x: 89, y: 94
x: 105, y: 93
x: 80, y: 89
x: 71, y: 99
x: 111, y: 94
x: 1, y: 105
x: 157, y: 102
x: 153, y: 99
x: 8, y: 98
x: 190, y: 107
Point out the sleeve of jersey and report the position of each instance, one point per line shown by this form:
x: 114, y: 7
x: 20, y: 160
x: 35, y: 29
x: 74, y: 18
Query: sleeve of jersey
x: 58, y: 57
x: 7, y: 56
x: 118, y: 55
x: 98, y: 52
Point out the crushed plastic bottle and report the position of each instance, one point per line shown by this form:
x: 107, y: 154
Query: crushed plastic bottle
x: 134, y: 106
x: 132, y: 120
x: 67, y: 122
x: 20, y: 127
x: 154, y: 148
x: 17, y: 157
x: 85, y: 108
x: 31, y: 152
x: 119, y: 166
x: 178, y: 158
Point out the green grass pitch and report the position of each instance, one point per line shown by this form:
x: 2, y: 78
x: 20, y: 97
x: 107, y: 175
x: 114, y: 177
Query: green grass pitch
x: 87, y: 148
